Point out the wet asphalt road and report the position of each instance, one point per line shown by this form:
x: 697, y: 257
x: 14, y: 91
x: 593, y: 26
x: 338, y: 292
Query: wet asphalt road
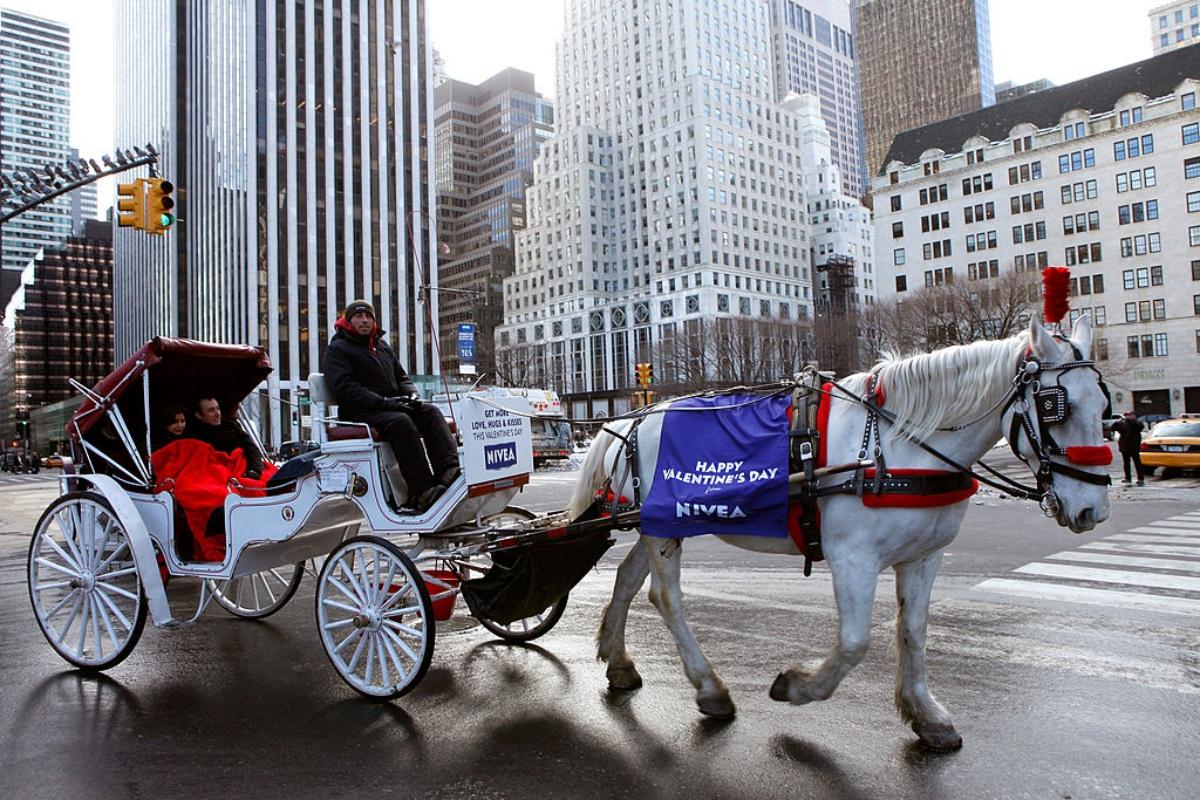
x: 1087, y: 689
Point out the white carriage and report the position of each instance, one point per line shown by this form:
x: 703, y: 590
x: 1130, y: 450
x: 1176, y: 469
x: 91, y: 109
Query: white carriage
x: 102, y: 553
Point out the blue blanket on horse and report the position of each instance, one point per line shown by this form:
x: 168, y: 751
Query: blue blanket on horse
x: 722, y: 468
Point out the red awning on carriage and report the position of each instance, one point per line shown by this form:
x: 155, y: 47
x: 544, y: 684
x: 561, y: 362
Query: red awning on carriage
x: 180, y: 370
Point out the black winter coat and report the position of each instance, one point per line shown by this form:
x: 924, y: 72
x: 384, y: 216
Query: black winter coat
x: 1130, y: 431
x: 364, y: 374
x: 226, y: 437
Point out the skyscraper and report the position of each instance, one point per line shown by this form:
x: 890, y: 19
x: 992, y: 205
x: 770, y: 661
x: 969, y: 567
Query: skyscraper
x: 83, y: 204
x: 299, y: 135
x: 35, y: 127
x: 487, y: 138
x: 919, y: 61
x: 1173, y: 25
x: 672, y: 216
x: 813, y: 52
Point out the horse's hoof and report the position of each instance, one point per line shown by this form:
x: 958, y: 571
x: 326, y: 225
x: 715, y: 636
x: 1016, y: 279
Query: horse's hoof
x: 779, y: 689
x: 939, y: 737
x: 718, y: 706
x: 624, y: 678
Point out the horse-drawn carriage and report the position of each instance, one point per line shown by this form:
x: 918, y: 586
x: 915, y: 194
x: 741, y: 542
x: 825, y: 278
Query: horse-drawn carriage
x: 103, y: 552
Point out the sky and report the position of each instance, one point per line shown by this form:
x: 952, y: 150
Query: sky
x: 1062, y: 40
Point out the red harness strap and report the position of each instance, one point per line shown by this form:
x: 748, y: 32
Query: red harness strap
x: 889, y: 499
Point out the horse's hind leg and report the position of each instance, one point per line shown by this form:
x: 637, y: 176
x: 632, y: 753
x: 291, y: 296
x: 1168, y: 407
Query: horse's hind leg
x: 854, y: 591
x: 610, y: 639
x: 914, y: 701
x: 665, y: 593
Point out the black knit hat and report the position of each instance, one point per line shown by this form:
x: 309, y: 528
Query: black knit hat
x: 358, y: 307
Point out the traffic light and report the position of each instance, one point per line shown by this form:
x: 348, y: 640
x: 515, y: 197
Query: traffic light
x: 159, y: 205
x: 643, y: 374
x: 131, y: 204
x: 649, y: 374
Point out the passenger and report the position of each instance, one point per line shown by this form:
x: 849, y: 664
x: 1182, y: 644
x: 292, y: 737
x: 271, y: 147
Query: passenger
x: 207, y: 425
x: 372, y: 387
x: 172, y: 422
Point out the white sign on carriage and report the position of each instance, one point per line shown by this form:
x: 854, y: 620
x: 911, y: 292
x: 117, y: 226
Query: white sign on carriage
x: 497, y: 439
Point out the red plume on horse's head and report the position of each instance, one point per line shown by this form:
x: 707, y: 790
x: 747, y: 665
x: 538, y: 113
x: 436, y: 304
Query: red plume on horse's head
x: 1056, y: 284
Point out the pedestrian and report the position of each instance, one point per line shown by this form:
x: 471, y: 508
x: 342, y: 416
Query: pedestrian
x: 371, y: 386
x: 1129, y: 431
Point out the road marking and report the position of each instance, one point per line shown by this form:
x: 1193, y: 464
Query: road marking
x: 1129, y: 561
x: 1112, y: 576
x: 1146, y: 549
x: 1148, y: 539
x: 1160, y: 531
x: 1189, y: 525
x: 1088, y: 596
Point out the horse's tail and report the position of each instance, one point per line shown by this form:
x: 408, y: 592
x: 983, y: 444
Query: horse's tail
x: 592, y: 473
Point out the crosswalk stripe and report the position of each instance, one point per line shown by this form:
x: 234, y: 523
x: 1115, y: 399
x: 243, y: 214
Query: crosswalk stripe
x: 1089, y: 596
x: 1128, y: 561
x: 1193, y: 516
x: 1147, y: 549
x: 1162, y: 531
x: 1190, y: 525
x: 1111, y: 576
x: 1150, y: 539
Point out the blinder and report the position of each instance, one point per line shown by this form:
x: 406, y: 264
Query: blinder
x: 1052, y: 407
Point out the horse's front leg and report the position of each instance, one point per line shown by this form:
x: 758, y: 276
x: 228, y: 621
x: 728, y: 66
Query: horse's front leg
x: 665, y: 593
x: 854, y: 592
x: 914, y: 701
x: 610, y: 639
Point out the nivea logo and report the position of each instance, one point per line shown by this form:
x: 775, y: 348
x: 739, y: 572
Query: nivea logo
x: 499, y: 456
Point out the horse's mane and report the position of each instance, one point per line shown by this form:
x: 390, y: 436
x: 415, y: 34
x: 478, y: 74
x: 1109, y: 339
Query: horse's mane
x: 946, y: 387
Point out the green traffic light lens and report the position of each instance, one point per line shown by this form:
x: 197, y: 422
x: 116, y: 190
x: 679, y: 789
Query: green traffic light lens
x: 166, y: 220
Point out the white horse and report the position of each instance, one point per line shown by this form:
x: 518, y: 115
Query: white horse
x: 927, y: 393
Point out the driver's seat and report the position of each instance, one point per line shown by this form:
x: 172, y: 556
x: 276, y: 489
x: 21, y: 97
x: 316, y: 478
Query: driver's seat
x: 326, y: 429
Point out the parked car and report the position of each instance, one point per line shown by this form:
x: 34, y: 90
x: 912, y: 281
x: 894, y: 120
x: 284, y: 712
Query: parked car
x: 1172, y: 444
x: 1150, y: 420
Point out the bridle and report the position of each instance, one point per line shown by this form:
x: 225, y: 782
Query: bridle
x: 1050, y: 408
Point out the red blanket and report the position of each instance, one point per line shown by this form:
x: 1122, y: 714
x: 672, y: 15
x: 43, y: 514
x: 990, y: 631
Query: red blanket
x: 200, y: 476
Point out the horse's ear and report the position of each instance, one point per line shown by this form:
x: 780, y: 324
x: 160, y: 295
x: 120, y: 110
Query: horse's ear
x: 1044, y: 347
x: 1081, y: 335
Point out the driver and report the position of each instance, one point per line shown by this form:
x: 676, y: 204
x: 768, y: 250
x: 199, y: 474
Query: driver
x: 372, y: 387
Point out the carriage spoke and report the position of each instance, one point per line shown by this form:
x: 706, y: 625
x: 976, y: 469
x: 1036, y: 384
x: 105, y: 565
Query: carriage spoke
x: 126, y: 594
x: 71, y: 619
x: 396, y: 626
x: 70, y: 532
x: 267, y: 589
x: 383, y: 665
x: 83, y: 623
x: 354, y: 634
x: 254, y: 586
x: 112, y: 635
x: 370, y: 672
x: 71, y: 562
x: 43, y: 587
x: 241, y: 590
x: 401, y: 673
x: 62, y: 603
x: 399, y: 612
x: 96, y: 626
x: 408, y: 651
x: 348, y: 574
x: 338, y: 605
x: 338, y: 623
x: 112, y: 556
x: 74, y: 573
x: 119, y: 573
x: 396, y: 596
x: 386, y: 584
x: 116, y: 612
x: 353, y: 665
x: 282, y: 581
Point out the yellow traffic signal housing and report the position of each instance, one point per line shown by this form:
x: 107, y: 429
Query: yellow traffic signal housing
x: 131, y: 204
x: 159, y: 205
x: 642, y: 371
x: 649, y: 374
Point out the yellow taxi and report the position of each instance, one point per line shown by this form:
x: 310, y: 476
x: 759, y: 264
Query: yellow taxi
x: 1173, y: 444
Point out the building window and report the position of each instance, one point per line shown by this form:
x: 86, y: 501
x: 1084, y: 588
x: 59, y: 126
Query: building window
x: 1194, y: 236
x: 1191, y: 167
x: 901, y: 283
x: 1187, y: 101
x: 1191, y: 133
x: 897, y: 230
x: 1193, y: 202
x: 898, y: 256
x: 895, y: 202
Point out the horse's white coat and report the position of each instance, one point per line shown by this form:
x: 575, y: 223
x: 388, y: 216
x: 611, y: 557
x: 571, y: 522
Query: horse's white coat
x: 949, y: 387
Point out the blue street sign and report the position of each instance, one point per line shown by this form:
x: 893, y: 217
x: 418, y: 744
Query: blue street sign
x: 466, y: 342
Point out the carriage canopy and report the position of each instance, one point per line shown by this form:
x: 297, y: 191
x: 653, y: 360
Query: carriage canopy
x: 178, y: 370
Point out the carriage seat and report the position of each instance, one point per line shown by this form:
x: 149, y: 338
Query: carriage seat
x: 340, y: 433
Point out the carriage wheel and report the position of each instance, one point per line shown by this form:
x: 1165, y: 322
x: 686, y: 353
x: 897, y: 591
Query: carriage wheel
x: 375, y: 617
x: 258, y: 595
x: 529, y: 628
x: 83, y: 582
